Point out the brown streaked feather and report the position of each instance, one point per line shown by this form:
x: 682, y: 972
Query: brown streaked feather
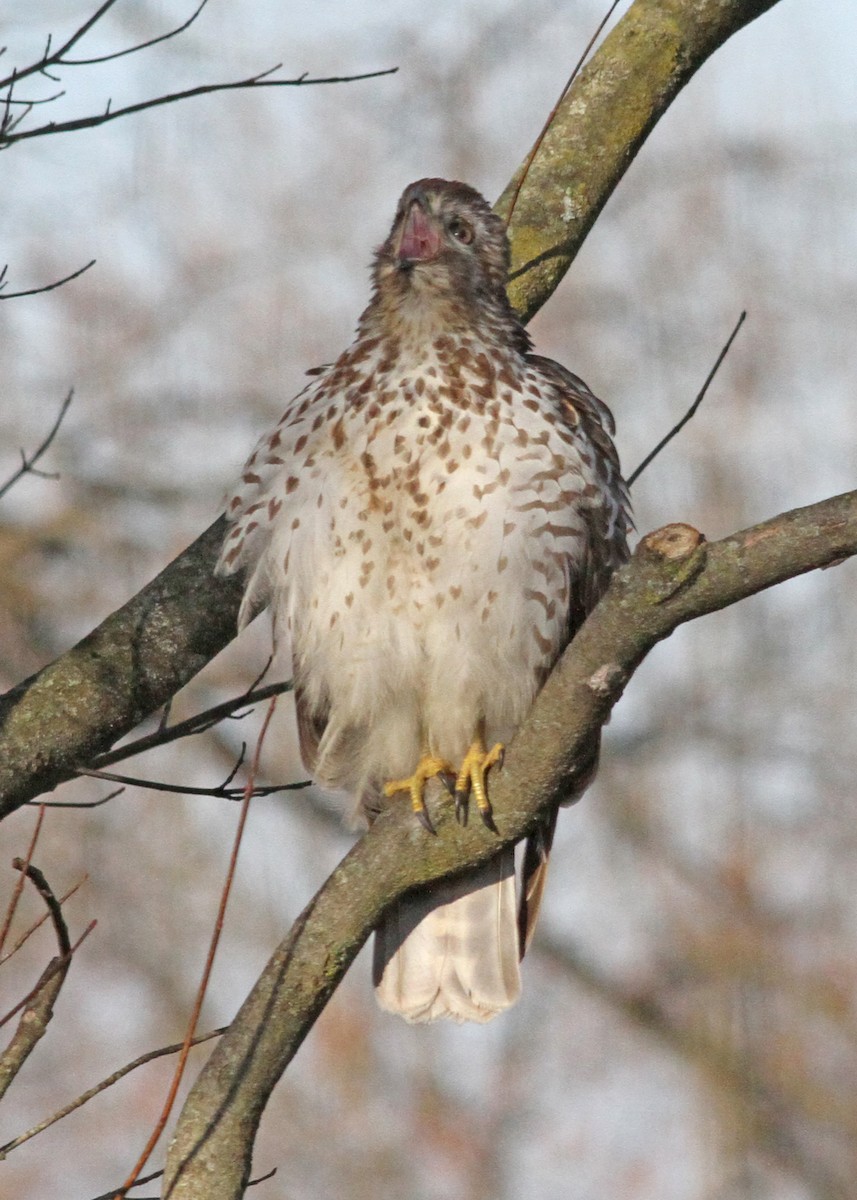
x: 601, y: 555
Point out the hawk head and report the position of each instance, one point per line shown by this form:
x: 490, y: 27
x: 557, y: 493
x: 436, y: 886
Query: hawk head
x: 447, y: 254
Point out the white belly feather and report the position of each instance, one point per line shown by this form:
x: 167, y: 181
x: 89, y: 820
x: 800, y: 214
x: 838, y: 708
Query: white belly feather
x: 409, y: 598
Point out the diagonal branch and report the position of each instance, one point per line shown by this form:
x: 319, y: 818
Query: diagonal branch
x: 38, y: 1005
x: 120, y: 673
x: 28, y: 464
x: 143, y: 653
x: 100, y: 1087
x: 600, y: 124
x: 44, y: 287
x: 675, y: 576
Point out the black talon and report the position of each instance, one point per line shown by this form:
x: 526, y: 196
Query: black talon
x: 501, y: 758
x: 448, y: 780
x: 425, y: 820
x: 462, y: 806
x: 488, y: 819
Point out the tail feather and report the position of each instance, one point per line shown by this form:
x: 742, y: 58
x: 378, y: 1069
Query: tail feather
x: 534, y: 874
x: 452, y: 950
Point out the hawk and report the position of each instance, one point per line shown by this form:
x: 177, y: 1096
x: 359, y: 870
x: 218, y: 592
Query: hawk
x: 430, y: 521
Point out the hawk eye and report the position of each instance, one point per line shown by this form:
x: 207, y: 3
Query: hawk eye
x: 461, y: 231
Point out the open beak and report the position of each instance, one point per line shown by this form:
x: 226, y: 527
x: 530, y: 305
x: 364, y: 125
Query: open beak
x: 420, y: 239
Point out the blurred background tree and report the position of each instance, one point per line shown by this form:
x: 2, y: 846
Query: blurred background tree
x: 687, y: 1030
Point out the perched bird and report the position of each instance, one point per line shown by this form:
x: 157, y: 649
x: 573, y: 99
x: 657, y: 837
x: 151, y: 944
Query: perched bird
x: 430, y: 521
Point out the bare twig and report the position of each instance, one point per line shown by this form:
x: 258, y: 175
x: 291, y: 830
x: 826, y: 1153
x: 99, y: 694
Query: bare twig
x: 36, y: 877
x: 528, y: 161
x: 80, y: 803
x: 261, y: 80
x: 56, y: 966
x: 32, y: 102
x: 677, y: 428
x: 111, y: 1195
x: 198, y: 723
x: 19, y: 882
x: 38, y: 1004
x: 62, y: 61
x: 223, y: 792
x: 28, y: 933
x: 45, y: 287
x: 209, y: 964
x: 52, y: 58
x: 28, y: 465
x: 102, y: 1086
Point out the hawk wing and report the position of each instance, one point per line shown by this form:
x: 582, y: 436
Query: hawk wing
x: 608, y: 521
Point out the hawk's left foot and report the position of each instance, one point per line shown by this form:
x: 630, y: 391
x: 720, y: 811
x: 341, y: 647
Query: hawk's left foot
x: 429, y: 767
x: 471, y: 779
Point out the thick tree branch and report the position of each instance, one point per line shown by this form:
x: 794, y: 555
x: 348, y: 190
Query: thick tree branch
x: 144, y: 652
x: 600, y: 125
x: 675, y: 576
x: 122, y: 671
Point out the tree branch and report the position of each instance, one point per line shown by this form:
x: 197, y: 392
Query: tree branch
x: 120, y: 673
x: 675, y: 576
x: 39, y: 1004
x: 28, y: 465
x: 44, y: 287
x: 599, y: 126
x: 88, y: 1095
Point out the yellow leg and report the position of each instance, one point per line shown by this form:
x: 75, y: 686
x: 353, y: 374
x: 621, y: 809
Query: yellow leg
x: 429, y: 767
x: 471, y: 779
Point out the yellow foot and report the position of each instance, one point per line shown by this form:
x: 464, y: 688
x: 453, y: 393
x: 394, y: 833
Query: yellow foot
x: 471, y: 778
x: 429, y: 767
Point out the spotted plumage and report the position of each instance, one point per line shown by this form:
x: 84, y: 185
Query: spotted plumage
x: 431, y: 520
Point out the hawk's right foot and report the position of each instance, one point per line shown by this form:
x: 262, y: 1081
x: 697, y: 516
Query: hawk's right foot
x: 429, y: 767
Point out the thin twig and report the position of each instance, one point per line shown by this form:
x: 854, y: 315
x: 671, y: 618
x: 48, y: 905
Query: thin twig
x: 56, y: 965
x: 37, y: 924
x: 157, y: 1175
x: 80, y: 803
x: 199, y: 723
x: 62, y: 61
x: 209, y: 963
x: 138, y: 1183
x: 223, y: 792
x: 27, y: 464
x: 39, y: 1001
x: 255, y: 81
x: 665, y: 441
x: 50, y: 59
x: 528, y: 162
x: 32, y: 103
x: 19, y: 882
x: 37, y: 878
x: 45, y: 287
x: 88, y: 1095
